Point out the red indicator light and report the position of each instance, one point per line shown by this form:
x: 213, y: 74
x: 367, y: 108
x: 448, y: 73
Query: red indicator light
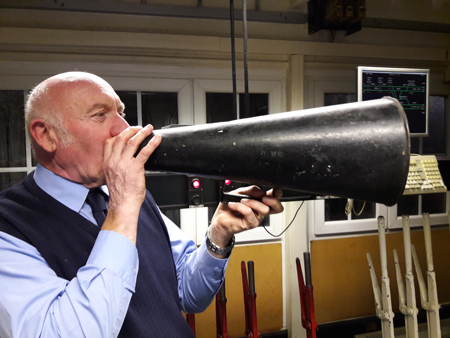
x: 227, y: 182
x: 196, y: 184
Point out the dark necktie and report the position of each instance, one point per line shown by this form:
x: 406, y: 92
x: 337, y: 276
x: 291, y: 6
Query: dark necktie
x: 96, y: 199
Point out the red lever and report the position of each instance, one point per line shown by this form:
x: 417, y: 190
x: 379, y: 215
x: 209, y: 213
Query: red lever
x: 306, y: 297
x: 221, y: 313
x: 190, y: 318
x: 251, y: 327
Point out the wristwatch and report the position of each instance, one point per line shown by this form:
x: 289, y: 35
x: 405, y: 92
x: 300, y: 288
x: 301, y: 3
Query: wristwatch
x: 217, y: 249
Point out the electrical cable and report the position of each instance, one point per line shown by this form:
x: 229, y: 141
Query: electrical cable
x: 298, y: 209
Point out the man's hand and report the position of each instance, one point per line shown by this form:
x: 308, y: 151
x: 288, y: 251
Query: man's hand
x: 232, y: 218
x: 125, y: 178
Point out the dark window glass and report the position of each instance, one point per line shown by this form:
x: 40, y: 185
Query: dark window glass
x: 408, y: 205
x: 258, y: 105
x: 434, y: 203
x: 431, y: 203
x: 363, y: 210
x: 219, y: 107
x: 335, y: 209
x: 130, y: 101
x: 7, y: 180
x: 159, y: 109
x: 435, y: 142
x: 12, y: 129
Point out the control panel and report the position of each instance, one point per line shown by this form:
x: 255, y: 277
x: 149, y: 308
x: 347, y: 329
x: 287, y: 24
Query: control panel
x: 424, y: 176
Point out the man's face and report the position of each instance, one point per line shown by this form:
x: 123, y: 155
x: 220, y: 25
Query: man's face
x: 92, y: 112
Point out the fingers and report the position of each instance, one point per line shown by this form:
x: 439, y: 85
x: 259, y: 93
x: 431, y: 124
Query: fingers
x: 149, y: 148
x: 270, y: 200
x: 242, y: 216
x: 126, y: 143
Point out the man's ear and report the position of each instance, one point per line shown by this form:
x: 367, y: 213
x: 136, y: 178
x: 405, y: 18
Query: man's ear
x: 43, y: 135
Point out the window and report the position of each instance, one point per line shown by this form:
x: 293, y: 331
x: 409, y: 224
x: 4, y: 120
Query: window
x: 434, y: 143
x: 13, y: 150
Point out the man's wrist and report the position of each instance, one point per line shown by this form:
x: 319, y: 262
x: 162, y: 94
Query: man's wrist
x: 217, y: 249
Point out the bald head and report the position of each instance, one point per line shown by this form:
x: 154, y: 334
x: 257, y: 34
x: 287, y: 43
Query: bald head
x: 49, y: 99
x: 69, y: 117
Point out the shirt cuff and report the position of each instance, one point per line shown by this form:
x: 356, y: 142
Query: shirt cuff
x: 117, y: 253
x: 210, y: 265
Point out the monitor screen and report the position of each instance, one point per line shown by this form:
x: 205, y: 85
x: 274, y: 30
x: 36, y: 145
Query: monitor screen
x: 408, y: 86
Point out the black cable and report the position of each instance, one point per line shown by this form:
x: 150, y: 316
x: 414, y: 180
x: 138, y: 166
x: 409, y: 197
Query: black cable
x: 233, y: 58
x: 298, y: 209
x: 246, y: 93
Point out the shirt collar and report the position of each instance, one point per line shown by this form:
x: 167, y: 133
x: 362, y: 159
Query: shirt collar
x: 71, y: 194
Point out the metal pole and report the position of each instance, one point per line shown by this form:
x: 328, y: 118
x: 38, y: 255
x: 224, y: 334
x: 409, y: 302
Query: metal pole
x: 246, y: 95
x: 233, y: 57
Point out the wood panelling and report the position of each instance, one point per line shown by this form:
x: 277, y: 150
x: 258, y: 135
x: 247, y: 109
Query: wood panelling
x: 340, y: 272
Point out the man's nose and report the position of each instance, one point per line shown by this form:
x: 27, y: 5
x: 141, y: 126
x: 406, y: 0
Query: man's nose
x: 119, y: 125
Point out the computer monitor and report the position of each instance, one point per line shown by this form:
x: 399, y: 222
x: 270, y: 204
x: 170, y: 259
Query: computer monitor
x: 409, y: 86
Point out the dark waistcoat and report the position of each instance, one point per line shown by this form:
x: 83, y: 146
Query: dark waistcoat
x: 65, y: 239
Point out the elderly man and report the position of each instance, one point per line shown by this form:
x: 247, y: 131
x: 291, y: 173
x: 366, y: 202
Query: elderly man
x: 65, y: 270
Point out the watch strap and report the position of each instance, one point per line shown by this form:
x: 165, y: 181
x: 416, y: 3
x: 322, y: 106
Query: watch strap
x: 217, y: 249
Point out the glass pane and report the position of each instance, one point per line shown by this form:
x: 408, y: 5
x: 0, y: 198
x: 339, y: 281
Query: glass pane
x: 159, y: 109
x: 434, y: 203
x: 258, y: 105
x: 408, y: 205
x: 335, y: 209
x: 12, y: 129
x: 7, y: 180
x: 435, y: 142
x: 365, y: 210
x: 130, y: 101
x: 219, y: 107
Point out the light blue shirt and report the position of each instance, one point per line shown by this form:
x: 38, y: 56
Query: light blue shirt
x: 35, y: 302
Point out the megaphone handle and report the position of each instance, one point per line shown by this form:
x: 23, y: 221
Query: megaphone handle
x: 228, y: 197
